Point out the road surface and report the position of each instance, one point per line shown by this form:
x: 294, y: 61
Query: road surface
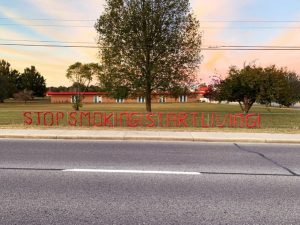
x: 87, y: 182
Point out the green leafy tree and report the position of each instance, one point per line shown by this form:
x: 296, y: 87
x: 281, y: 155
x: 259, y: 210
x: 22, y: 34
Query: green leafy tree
x: 242, y: 86
x: 148, y: 46
x: 177, y: 91
x: 58, y: 89
x: 269, y: 85
x: 4, y: 83
x: 94, y: 88
x: 288, y: 91
x: 120, y: 92
x: 81, y: 75
x: 3, y: 89
x: 8, y: 79
x: 279, y: 86
x: 32, y: 80
x: 262, y: 85
x: 12, y: 82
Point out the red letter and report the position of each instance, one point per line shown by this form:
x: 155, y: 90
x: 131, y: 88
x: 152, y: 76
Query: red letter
x: 27, y: 118
x: 134, y: 122
x: 59, y: 117
x: 203, y: 121
x: 255, y: 123
x: 99, y: 123
x: 84, y: 115
x: 221, y: 124
x: 172, y: 117
x: 72, y: 119
x: 121, y: 119
x: 160, y: 119
x: 212, y: 120
x: 38, y: 121
x: 194, y: 119
x: 45, y: 118
x: 107, y: 120
x: 242, y: 120
x: 150, y: 119
x: 182, y: 119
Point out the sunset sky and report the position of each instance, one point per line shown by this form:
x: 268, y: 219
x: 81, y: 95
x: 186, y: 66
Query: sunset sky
x: 223, y: 22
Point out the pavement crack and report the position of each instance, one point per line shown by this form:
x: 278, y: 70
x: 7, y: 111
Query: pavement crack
x: 268, y: 159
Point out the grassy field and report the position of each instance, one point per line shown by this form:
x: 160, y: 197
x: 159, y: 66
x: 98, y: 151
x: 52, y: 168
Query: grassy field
x: 272, y: 119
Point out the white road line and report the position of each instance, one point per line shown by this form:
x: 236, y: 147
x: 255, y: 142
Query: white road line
x: 132, y: 171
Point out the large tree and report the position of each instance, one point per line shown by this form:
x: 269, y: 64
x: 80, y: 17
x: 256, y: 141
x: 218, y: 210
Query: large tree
x: 242, y: 86
x: 3, y: 88
x: 81, y: 75
x: 148, y: 46
x: 257, y: 84
x: 8, y: 79
x: 287, y: 91
x: 32, y: 80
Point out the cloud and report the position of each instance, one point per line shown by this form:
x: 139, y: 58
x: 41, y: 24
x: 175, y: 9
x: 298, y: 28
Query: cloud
x: 53, y: 62
x: 224, y: 10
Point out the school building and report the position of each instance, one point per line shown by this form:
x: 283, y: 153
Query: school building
x: 102, y: 97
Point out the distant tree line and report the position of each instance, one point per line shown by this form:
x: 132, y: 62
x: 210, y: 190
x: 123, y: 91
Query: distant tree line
x: 73, y: 88
x: 22, y: 86
x: 255, y: 84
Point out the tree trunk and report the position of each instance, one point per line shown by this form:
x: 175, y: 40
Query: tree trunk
x: 148, y: 101
x: 77, y: 107
x: 246, y: 105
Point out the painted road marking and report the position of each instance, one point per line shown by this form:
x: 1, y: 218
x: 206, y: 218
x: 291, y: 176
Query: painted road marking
x: 132, y: 171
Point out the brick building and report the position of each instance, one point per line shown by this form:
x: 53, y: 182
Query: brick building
x: 102, y: 97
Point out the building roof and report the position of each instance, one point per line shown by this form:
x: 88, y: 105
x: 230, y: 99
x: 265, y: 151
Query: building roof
x: 202, y: 90
x: 50, y: 93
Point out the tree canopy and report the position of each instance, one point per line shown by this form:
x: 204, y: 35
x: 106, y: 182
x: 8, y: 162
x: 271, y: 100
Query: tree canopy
x: 148, y: 46
x: 8, y: 79
x: 32, y: 80
x: 81, y: 75
x: 257, y: 84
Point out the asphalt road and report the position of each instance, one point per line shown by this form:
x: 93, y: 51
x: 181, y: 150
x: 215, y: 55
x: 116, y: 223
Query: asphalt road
x: 132, y: 183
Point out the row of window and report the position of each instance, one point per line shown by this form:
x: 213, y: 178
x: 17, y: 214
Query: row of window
x: 162, y: 99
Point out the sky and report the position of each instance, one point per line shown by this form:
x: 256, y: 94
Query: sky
x: 223, y: 23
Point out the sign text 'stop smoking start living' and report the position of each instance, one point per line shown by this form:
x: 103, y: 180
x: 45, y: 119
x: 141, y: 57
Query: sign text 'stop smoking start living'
x: 137, y: 119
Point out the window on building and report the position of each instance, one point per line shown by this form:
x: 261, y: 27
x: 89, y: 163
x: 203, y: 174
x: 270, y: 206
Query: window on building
x: 183, y: 98
x: 97, y: 99
x: 162, y: 99
x: 119, y: 100
x: 141, y: 100
x: 73, y: 99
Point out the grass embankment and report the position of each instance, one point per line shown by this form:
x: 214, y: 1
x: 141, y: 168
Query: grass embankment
x: 272, y: 119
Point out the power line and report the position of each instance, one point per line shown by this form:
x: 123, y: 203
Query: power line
x: 228, y: 48
x: 205, y: 21
x: 206, y: 27
x: 83, y: 42
x: 53, y: 46
x: 251, y: 49
x: 250, y: 21
x: 206, y: 46
x: 253, y: 46
x: 252, y: 28
x: 45, y: 25
x: 47, y: 19
x: 38, y: 41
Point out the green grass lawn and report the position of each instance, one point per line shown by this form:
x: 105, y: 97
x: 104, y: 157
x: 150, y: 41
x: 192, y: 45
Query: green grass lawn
x: 272, y: 119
